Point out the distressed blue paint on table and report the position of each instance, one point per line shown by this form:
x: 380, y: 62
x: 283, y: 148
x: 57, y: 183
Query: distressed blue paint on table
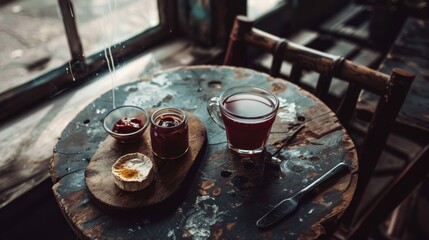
x: 223, y: 195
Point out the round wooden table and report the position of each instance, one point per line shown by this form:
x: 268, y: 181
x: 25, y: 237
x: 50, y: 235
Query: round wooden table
x: 223, y: 195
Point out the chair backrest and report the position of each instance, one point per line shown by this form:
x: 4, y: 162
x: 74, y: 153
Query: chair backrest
x: 391, y: 89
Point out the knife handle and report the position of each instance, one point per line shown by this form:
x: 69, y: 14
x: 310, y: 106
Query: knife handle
x: 338, y: 168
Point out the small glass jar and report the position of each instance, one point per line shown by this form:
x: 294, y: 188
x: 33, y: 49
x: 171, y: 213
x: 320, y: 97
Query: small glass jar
x: 169, y: 133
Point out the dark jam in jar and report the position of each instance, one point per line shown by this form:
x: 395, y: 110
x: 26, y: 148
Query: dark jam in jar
x: 127, y: 125
x: 169, y: 133
x: 168, y: 121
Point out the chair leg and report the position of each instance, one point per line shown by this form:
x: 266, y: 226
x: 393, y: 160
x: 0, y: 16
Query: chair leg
x: 397, y: 223
x: 413, y: 174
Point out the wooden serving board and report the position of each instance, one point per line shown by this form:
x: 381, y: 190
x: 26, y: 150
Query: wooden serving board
x: 169, y: 174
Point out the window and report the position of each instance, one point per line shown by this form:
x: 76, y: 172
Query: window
x: 74, y: 43
x: 32, y: 40
x: 105, y: 23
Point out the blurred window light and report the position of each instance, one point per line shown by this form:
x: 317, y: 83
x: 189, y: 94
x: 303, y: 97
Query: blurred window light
x: 258, y: 8
x: 104, y: 23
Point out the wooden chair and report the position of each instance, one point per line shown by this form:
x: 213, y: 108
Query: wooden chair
x: 391, y: 89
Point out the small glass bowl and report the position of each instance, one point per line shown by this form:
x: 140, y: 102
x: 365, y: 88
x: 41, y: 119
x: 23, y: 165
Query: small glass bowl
x: 117, y: 114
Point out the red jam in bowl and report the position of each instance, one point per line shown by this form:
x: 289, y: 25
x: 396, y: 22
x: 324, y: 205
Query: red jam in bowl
x: 127, y: 125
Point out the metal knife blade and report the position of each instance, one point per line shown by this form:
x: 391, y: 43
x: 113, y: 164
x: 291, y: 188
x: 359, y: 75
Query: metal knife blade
x: 288, y: 205
x: 280, y: 211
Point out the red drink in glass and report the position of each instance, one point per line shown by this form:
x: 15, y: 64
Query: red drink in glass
x: 247, y: 116
x: 247, y: 120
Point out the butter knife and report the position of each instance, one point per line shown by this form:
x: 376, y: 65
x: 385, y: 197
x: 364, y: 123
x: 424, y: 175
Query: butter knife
x: 288, y: 205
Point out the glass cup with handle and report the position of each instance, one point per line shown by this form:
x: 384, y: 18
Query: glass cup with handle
x: 247, y: 114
